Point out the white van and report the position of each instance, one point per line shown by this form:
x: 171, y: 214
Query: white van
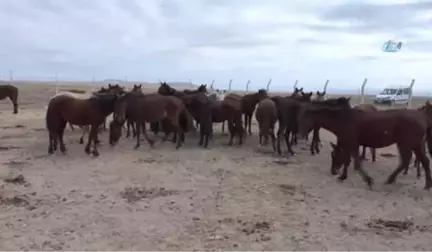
x: 393, y: 95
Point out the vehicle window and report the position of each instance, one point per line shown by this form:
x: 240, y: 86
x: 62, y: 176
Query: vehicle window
x: 406, y: 91
x: 399, y: 92
x: 389, y: 91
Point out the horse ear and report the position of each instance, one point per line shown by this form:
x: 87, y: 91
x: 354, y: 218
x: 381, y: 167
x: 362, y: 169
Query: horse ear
x: 109, y: 85
x: 333, y: 145
x: 318, y: 93
x: 310, y: 94
x: 140, y: 86
x: 301, y: 89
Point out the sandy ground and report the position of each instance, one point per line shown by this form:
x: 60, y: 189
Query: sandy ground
x: 226, y: 198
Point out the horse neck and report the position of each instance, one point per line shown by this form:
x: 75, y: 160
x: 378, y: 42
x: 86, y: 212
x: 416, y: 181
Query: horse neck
x: 106, y: 105
x: 328, y: 123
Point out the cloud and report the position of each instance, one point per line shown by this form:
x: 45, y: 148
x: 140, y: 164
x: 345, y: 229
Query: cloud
x: 178, y: 40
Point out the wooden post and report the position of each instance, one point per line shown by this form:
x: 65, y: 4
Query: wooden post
x: 247, y: 85
x: 10, y: 75
x: 229, y: 85
x: 362, y: 91
x: 295, y: 85
x: 410, y: 93
x: 268, y: 84
x: 325, y: 86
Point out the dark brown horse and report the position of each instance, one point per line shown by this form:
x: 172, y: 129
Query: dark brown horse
x: 147, y: 109
x: 10, y: 92
x: 229, y: 110
x: 63, y: 109
x: 353, y: 128
x: 249, y: 103
x: 198, y: 105
x: 130, y: 123
x: 266, y: 115
x: 115, y: 89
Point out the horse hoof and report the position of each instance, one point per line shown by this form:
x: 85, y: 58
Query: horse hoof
x: 81, y: 141
x: 342, y: 178
x: 428, y: 186
x: 95, y: 153
x: 50, y: 151
x: 136, y: 147
x: 87, y: 150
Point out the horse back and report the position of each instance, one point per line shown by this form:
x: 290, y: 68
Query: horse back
x: 266, y: 108
x: 8, y: 90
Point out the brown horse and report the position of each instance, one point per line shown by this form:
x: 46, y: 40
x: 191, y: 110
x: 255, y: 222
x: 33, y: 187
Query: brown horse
x: 11, y: 92
x: 130, y: 123
x: 116, y: 89
x: 354, y: 127
x: 229, y: 110
x: 248, y: 103
x: 234, y: 99
x: 63, y: 109
x: 198, y: 105
x: 147, y: 109
x: 266, y: 115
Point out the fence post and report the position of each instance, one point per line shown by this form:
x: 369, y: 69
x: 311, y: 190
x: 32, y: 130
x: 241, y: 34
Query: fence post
x: 362, y: 90
x: 10, y: 75
x: 247, y: 85
x: 410, y: 93
x: 212, y: 85
x: 295, y: 85
x: 268, y: 84
x: 229, y: 85
x: 325, y: 86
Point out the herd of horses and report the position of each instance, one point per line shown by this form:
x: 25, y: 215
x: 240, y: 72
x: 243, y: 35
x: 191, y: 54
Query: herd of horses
x: 298, y: 115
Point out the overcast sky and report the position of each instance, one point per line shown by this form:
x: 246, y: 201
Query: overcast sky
x: 203, y: 40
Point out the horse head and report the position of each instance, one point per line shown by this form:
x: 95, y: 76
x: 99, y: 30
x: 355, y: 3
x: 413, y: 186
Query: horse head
x: 137, y: 88
x: 165, y: 89
x: 202, y: 88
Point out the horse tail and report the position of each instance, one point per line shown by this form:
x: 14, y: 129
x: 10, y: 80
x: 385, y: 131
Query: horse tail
x: 50, y: 116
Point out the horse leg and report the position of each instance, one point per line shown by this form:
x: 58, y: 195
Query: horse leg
x: 240, y: 131
x: 52, y: 138
x: 363, y: 155
x: 373, y: 153
x: 287, y: 135
x: 424, y: 160
x: 138, y: 134
x: 250, y: 123
x: 60, y: 134
x: 346, y: 163
x: 71, y: 127
x: 282, y: 127
x: 231, y: 130
x: 85, y: 130
x: 273, y: 138
x: 405, y: 155
x: 14, y: 101
x: 93, y: 135
x: 358, y: 167
x: 223, y: 127
x: 144, y: 131
x: 128, y: 124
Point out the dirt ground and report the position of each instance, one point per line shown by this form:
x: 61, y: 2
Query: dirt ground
x: 222, y: 198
